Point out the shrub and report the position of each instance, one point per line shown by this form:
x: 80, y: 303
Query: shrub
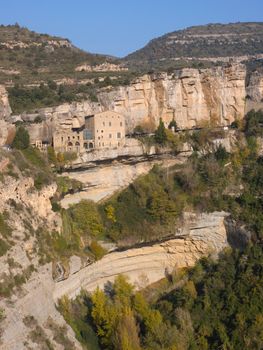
x: 5, y: 229
x: 254, y: 123
x: 3, y: 247
x: 97, y: 250
x: 38, y: 119
x: 86, y: 219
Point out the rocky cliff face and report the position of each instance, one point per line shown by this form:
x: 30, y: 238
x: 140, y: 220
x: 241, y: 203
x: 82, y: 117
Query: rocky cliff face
x: 5, y: 109
x: 26, y: 285
x: 192, y: 96
x: 6, y: 130
x: 199, y: 236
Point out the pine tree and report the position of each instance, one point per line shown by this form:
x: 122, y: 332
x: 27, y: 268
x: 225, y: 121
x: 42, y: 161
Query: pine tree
x: 172, y: 125
x: 160, y: 134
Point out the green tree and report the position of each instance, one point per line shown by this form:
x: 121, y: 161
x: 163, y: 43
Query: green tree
x: 160, y: 134
x: 51, y: 155
x: 172, y: 125
x: 21, y: 140
x: 127, y: 337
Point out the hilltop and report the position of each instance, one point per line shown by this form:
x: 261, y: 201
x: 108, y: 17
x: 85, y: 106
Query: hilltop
x: 27, y: 56
x: 206, y: 43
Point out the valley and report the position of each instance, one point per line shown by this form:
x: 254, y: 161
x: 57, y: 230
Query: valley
x: 131, y: 192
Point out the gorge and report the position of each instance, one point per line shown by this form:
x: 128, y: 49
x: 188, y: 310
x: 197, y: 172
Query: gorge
x: 172, y: 205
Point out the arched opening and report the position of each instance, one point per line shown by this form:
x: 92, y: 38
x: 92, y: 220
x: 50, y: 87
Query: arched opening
x: 90, y: 145
x: 85, y: 145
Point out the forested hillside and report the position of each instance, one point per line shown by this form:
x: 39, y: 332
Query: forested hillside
x: 215, y: 305
x: 200, y: 42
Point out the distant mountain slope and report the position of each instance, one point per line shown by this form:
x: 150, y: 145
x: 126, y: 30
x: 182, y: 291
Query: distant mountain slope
x: 206, y: 41
x: 29, y: 56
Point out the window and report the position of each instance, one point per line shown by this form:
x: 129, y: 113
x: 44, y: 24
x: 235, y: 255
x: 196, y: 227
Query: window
x: 109, y: 123
x: 120, y: 123
x: 103, y: 123
x: 118, y: 135
x: 109, y: 136
x: 62, y: 138
x: 68, y: 137
x: 102, y: 143
x: 99, y: 138
x: 78, y: 137
x: 101, y: 131
x: 99, y: 144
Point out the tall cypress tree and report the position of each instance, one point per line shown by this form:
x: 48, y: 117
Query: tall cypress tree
x: 160, y: 134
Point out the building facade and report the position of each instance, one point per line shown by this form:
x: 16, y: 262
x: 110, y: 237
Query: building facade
x: 101, y: 130
x: 105, y: 129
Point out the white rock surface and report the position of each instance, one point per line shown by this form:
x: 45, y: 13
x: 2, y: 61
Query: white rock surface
x: 203, y: 234
x: 101, y: 182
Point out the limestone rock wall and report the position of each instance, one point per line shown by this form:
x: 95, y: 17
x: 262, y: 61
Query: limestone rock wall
x: 200, y: 235
x: 28, y: 209
x: 5, y: 109
x: 6, y: 130
x: 191, y: 96
x: 102, y: 181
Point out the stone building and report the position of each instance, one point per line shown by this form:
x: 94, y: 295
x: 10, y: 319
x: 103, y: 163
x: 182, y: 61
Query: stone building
x: 104, y: 130
x: 101, y: 130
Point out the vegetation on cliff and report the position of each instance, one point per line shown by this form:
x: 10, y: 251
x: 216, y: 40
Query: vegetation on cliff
x: 213, y: 305
x: 216, y: 304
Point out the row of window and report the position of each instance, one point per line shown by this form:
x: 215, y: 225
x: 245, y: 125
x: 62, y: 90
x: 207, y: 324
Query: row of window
x: 87, y: 135
x: 110, y: 136
x: 102, y: 144
x: 69, y: 138
x: 104, y: 124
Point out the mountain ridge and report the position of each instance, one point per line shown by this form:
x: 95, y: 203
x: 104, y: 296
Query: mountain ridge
x: 202, y: 42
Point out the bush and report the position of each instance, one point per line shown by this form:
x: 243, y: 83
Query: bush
x: 86, y: 219
x: 97, y: 250
x: 254, y: 123
x: 3, y: 247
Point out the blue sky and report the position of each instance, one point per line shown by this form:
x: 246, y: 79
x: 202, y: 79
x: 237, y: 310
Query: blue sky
x: 118, y: 27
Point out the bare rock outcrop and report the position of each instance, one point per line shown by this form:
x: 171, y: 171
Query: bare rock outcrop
x: 217, y: 95
x: 28, y: 305
x: 201, y: 234
x: 6, y: 129
x: 5, y: 109
x: 118, y: 174
x: 191, y: 96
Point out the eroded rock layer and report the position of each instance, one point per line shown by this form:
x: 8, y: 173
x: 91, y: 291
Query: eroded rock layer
x: 200, y: 235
